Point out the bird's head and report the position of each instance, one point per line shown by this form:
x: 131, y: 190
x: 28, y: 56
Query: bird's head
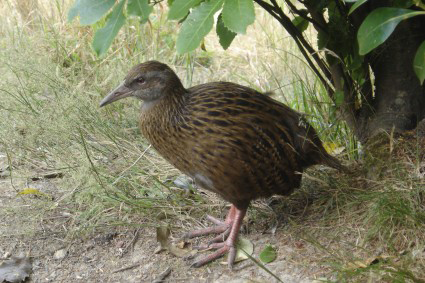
x: 149, y: 81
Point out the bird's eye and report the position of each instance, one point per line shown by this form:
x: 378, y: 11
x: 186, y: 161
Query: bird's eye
x: 141, y: 80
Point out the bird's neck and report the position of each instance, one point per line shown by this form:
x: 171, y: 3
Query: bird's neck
x: 169, y: 106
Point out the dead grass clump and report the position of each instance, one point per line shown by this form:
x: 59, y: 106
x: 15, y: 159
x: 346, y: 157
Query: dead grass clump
x: 367, y: 225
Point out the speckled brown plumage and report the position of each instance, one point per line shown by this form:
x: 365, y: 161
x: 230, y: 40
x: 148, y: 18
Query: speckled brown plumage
x: 231, y: 139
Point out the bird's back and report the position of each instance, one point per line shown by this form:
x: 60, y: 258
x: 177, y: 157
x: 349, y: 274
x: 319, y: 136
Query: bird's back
x: 233, y: 140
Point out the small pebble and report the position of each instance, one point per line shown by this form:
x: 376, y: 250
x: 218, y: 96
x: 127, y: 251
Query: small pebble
x: 60, y: 254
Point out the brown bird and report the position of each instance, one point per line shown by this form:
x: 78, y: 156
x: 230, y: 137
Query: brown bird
x: 231, y: 139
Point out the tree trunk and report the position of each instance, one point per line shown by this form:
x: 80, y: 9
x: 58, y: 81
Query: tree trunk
x: 391, y: 96
x: 399, y: 100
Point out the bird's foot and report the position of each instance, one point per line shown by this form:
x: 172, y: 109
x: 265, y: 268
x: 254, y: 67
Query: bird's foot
x: 221, y: 227
x: 221, y: 250
x: 225, y: 242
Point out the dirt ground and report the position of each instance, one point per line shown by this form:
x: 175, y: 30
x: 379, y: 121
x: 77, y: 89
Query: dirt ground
x: 126, y: 255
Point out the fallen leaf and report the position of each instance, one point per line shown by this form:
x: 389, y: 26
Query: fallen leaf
x: 15, y: 269
x: 180, y: 252
x: 162, y: 234
x: 32, y: 191
x: 181, y: 244
x: 243, y: 247
x: 299, y: 244
x: 333, y: 148
x: 367, y: 262
x: 268, y: 254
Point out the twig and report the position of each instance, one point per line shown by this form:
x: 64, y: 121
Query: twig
x: 132, y: 242
x: 127, y: 268
x: 162, y: 276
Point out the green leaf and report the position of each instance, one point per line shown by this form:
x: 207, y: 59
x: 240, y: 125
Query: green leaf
x: 300, y: 23
x: 268, y: 254
x: 103, y: 37
x: 140, y: 8
x: 90, y: 11
x: 180, y: 8
x: 356, y: 5
x: 419, y: 63
x: 238, y: 14
x: 339, y: 98
x: 74, y: 10
x: 224, y: 34
x: 197, y: 25
x: 379, y: 25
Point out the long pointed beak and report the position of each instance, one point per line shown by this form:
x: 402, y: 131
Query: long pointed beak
x: 120, y: 92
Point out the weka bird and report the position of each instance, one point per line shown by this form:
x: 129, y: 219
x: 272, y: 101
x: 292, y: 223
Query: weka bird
x: 231, y: 139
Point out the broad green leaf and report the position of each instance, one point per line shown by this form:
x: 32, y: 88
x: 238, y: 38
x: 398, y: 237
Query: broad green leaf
x: 224, y: 34
x: 419, y: 63
x: 379, y: 25
x: 300, y: 23
x: 339, y: 98
x: 90, y: 11
x: 180, y: 8
x: 356, y: 5
x: 103, y: 37
x: 74, y: 10
x: 268, y: 254
x: 238, y: 14
x: 197, y: 25
x: 140, y: 8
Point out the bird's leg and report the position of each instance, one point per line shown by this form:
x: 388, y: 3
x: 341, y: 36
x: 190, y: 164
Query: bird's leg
x: 228, y: 246
x: 221, y: 227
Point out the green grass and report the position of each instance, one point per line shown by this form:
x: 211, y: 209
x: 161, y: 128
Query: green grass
x: 50, y: 121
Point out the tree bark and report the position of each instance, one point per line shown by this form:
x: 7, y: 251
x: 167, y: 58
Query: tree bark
x: 399, y: 100
x: 391, y: 97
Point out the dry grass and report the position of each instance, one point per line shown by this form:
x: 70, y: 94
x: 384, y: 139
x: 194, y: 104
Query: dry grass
x: 50, y: 87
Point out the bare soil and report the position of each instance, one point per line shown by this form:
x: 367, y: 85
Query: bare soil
x: 125, y: 254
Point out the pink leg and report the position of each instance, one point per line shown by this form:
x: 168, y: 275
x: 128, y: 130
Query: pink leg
x: 230, y: 244
x: 221, y: 227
